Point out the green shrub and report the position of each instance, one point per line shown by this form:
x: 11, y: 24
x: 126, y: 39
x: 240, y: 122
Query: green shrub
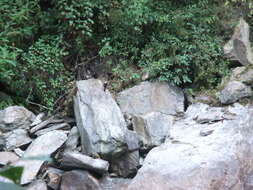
x: 174, y: 41
x: 44, y: 72
x: 18, y: 21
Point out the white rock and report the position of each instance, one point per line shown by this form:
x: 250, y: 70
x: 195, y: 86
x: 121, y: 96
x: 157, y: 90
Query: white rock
x: 42, y: 146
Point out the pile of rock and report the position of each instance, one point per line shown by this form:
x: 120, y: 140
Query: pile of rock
x: 142, y: 140
x: 239, y: 85
x: 203, y: 148
x: 95, y: 146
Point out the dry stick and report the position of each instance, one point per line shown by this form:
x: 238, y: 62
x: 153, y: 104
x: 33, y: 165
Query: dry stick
x: 36, y: 104
x: 91, y: 59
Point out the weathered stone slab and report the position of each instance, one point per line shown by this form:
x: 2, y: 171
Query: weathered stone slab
x: 61, y: 126
x: 99, y: 120
x: 76, y: 160
x: 14, y: 117
x: 16, y: 139
x: 152, y: 97
x: 51, y: 120
x: 42, y: 146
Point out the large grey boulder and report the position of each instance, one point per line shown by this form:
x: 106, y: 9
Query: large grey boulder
x: 14, y: 117
x: 152, y: 128
x: 41, y: 147
x: 234, y: 91
x: 152, y: 97
x: 189, y: 161
x: 99, y: 120
x: 238, y: 48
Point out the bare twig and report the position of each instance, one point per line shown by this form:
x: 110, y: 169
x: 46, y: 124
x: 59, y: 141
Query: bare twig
x: 89, y: 60
x: 36, y: 104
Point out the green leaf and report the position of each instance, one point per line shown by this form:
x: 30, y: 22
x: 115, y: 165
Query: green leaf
x: 12, y: 173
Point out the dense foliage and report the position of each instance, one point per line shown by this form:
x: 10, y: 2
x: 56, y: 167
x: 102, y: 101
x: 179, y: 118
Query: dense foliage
x: 45, y: 43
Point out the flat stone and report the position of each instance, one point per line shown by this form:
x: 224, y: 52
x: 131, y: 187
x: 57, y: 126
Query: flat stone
x: 7, y: 158
x: 61, y: 126
x: 17, y: 138
x: 44, y: 145
x: 44, y: 124
x: 14, y: 117
x: 76, y: 160
x: 152, y: 97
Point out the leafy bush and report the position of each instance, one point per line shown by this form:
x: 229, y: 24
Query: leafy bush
x: 244, y: 6
x: 175, y: 41
x: 44, y: 72
x: 81, y: 21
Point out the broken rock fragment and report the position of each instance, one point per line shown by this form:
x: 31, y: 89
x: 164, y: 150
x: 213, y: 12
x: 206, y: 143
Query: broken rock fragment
x: 40, y: 148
